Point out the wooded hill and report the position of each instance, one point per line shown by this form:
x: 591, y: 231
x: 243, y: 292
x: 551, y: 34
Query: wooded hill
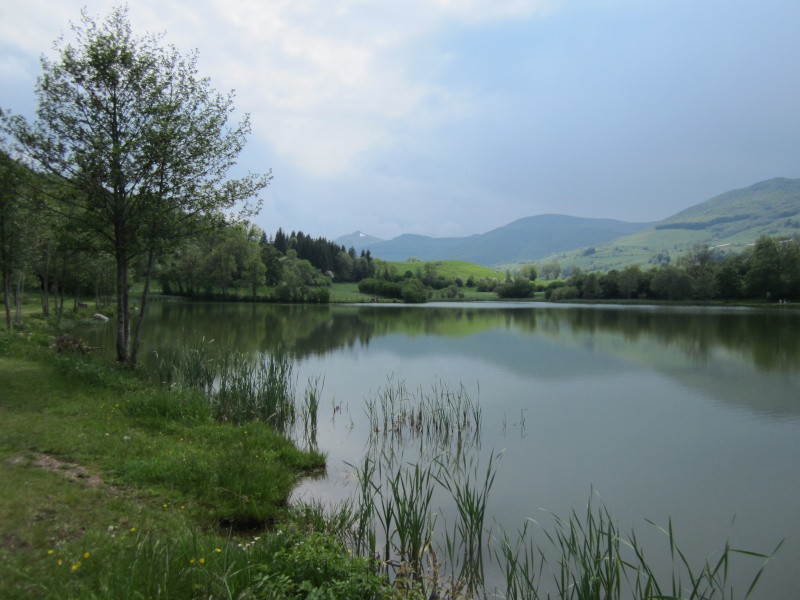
x: 731, y: 220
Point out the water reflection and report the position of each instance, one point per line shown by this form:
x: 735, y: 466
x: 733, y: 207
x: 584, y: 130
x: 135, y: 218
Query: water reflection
x: 747, y: 358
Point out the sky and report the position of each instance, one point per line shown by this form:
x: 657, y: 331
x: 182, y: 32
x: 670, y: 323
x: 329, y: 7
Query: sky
x: 455, y: 117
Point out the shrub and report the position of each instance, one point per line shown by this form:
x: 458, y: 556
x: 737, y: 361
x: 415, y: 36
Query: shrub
x: 567, y: 292
x: 520, y: 287
x: 414, y: 292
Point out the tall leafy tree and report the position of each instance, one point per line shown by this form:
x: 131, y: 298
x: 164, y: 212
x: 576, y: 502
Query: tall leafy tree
x: 763, y: 278
x: 142, y: 144
x: 14, y: 226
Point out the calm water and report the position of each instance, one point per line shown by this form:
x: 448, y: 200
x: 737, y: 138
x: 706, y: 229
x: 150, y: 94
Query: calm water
x: 688, y: 413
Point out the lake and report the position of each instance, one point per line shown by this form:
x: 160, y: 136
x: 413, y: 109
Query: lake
x: 685, y: 413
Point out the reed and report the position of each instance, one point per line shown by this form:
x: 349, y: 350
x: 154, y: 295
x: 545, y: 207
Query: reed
x: 585, y: 555
x: 469, y: 489
x: 437, y: 419
x: 309, y: 410
x: 254, y: 387
x: 590, y: 558
x: 241, y: 388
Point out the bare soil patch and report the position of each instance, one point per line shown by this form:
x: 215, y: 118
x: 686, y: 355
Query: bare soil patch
x: 72, y: 471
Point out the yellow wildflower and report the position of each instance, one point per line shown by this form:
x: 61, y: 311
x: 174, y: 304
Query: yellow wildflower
x: 217, y: 550
x: 51, y: 552
x: 76, y: 566
x: 85, y: 555
x: 202, y: 561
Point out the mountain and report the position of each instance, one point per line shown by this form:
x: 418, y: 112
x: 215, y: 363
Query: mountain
x: 739, y: 210
x: 525, y: 239
x: 533, y: 238
x: 358, y: 240
x: 731, y: 220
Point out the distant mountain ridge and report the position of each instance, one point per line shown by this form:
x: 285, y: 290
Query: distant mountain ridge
x: 528, y: 238
x: 736, y: 217
x: 358, y: 240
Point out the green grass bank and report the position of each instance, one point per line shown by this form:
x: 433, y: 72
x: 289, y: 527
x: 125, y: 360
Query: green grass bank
x: 117, y: 488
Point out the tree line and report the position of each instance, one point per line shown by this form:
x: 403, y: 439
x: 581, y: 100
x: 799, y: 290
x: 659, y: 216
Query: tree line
x: 769, y: 270
x: 284, y: 268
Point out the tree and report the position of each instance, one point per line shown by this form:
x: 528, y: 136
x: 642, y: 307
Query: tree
x: 517, y: 287
x: 698, y: 261
x: 591, y: 287
x: 141, y: 144
x: 528, y: 272
x: 271, y: 257
x: 551, y: 270
x: 728, y: 282
x: 628, y: 280
x: 13, y: 217
x: 414, y: 292
x: 763, y: 279
x: 671, y: 283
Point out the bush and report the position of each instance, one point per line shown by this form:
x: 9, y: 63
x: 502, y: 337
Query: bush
x: 414, y: 292
x: 520, y: 287
x: 567, y: 292
x: 487, y: 284
x: 380, y: 287
x: 316, y: 566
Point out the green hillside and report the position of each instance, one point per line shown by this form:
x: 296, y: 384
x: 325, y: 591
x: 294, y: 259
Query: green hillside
x: 450, y: 269
x: 730, y: 222
x: 768, y: 204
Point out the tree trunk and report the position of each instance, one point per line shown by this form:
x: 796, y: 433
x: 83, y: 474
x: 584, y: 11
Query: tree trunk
x: 45, y: 282
x: 60, y: 299
x: 18, y: 299
x: 123, y: 318
x: 55, y: 292
x: 7, y: 298
x: 140, y: 323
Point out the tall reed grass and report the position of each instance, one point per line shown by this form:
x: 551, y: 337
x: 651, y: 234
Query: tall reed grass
x: 244, y: 387
x: 396, y: 517
x: 437, y: 419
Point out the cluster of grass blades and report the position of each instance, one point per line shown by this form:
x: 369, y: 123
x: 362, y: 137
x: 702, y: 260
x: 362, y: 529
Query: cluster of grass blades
x: 589, y: 557
x: 396, y: 519
x: 437, y: 418
x: 242, y: 388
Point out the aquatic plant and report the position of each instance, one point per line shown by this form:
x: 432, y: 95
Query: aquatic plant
x: 241, y: 387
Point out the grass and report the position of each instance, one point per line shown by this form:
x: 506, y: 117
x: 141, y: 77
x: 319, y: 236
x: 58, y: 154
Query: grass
x: 447, y: 268
x: 115, y: 487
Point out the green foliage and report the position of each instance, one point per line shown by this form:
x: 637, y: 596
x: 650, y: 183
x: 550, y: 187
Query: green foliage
x: 380, y: 287
x: 139, y: 145
x: 414, y: 291
x: 316, y: 566
x: 519, y: 287
x: 565, y: 292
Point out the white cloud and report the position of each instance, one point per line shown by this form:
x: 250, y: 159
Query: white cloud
x: 326, y: 82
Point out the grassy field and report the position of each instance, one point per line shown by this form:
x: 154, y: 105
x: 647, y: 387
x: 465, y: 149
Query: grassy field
x: 115, y: 487
x: 448, y: 268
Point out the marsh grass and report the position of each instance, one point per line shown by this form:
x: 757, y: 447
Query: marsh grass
x: 397, y: 518
x: 252, y: 387
x: 245, y: 387
x: 437, y: 419
x: 582, y: 556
